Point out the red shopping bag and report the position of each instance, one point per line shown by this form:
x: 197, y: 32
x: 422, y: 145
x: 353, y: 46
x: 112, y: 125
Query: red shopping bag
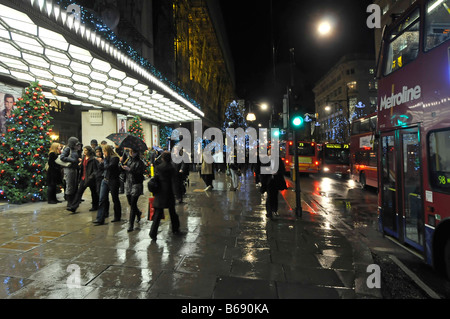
x: 151, y: 209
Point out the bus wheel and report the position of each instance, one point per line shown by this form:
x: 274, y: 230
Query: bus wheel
x: 362, y: 180
x: 447, y: 258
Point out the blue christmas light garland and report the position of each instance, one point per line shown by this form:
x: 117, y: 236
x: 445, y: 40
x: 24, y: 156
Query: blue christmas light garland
x: 96, y: 24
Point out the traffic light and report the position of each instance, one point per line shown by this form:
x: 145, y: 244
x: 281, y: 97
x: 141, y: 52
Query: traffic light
x: 297, y: 121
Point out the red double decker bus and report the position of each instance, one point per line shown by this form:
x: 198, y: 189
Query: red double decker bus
x: 363, y: 151
x: 308, y: 156
x: 414, y: 127
x: 335, y: 158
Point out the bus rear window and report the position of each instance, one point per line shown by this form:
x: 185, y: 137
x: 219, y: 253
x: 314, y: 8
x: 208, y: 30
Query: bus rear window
x: 304, y: 149
x: 439, y: 159
x: 403, y: 43
x: 437, y: 23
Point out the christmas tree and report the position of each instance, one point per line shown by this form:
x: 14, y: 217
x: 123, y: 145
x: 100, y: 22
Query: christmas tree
x: 24, y: 148
x: 135, y: 129
x: 234, y: 117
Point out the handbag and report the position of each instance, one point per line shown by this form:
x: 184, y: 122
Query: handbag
x: 154, y: 184
x: 62, y: 163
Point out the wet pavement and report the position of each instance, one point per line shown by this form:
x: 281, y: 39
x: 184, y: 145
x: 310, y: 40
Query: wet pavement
x: 228, y: 249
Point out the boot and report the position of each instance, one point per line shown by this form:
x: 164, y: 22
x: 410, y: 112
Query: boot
x: 71, y: 203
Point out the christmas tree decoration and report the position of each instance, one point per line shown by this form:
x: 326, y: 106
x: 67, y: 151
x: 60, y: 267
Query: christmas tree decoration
x: 24, y: 148
x: 136, y: 129
x: 234, y: 117
x: 164, y: 136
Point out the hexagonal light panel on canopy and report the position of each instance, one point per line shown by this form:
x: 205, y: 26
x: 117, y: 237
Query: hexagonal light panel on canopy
x: 30, y: 52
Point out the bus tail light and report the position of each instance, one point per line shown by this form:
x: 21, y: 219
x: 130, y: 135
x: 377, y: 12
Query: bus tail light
x: 316, y: 163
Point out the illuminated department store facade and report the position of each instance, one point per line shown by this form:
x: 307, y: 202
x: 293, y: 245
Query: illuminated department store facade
x: 92, y: 81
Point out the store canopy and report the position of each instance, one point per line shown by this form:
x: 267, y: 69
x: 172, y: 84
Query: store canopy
x: 77, y: 65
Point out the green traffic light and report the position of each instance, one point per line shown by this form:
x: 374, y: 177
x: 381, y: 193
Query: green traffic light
x: 297, y: 121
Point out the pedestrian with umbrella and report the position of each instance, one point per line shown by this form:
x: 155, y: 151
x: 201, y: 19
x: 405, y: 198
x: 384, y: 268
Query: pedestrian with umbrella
x: 110, y: 184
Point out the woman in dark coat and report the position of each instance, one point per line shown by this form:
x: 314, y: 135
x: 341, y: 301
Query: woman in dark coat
x: 182, y: 170
x: 54, y: 173
x: 135, y: 169
x: 88, y: 172
x: 165, y: 198
x: 110, y: 184
x: 275, y: 183
x: 100, y: 168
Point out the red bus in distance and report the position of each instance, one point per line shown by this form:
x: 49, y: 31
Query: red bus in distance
x: 308, y: 156
x: 335, y: 158
x: 363, y: 151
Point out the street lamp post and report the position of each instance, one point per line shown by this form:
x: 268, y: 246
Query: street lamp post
x: 298, y: 203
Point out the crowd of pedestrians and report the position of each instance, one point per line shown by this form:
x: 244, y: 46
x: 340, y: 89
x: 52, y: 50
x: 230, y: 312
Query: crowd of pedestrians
x: 268, y: 184
x: 108, y: 169
x: 112, y: 170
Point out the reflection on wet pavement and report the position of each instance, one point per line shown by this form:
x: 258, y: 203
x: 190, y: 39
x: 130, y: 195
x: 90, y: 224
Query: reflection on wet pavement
x: 227, y: 249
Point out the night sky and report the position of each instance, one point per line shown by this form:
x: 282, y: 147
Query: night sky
x: 248, y: 25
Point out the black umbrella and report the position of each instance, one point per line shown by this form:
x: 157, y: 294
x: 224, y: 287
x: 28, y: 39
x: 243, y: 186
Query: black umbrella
x: 128, y: 140
x: 117, y: 137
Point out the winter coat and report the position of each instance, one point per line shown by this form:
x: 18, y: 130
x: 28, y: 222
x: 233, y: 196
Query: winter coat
x: 54, y: 174
x: 181, y: 176
x: 91, y: 170
x: 111, y: 168
x: 70, y: 153
x: 183, y: 167
x: 274, y: 181
x: 168, y: 179
x: 137, y: 170
x: 278, y: 180
x: 100, y: 171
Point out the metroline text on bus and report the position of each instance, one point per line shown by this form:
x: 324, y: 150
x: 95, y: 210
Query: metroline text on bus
x: 406, y: 95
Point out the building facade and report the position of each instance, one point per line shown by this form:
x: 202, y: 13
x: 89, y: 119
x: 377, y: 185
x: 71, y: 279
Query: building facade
x: 346, y: 92
x: 102, y: 62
